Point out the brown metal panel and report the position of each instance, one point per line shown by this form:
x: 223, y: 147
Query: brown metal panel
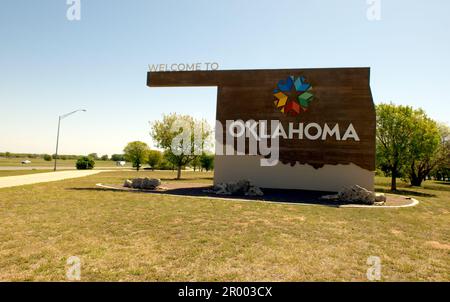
x: 341, y: 95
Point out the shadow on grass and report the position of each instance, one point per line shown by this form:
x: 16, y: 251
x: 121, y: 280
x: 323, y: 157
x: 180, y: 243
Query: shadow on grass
x: 100, y: 190
x: 406, y: 192
x: 272, y: 195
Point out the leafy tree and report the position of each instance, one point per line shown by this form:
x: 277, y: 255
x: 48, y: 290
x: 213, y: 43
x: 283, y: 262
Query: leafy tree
x: 195, y: 164
x: 394, y: 127
x: 407, y: 143
x: 117, y: 157
x: 47, y: 157
x: 182, y: 137
x: 165, y: 164
x: 207, y: 161
x: 154, y: 158
x: 442, y: 168
x: 94, y: 156
x: 136, y: 153
x: 104, y: 157
x: 424, y: 148
x: 85, y: 163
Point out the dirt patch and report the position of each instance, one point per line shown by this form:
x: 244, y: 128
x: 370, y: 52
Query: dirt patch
x: 396, y: 232
x: 438, y: 245
x: 396, y: 200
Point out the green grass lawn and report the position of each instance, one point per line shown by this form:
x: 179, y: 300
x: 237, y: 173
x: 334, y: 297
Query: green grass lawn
x: 138, y: 236
x: 39, y: 162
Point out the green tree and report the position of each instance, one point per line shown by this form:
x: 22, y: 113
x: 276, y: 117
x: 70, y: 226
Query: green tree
x: 394, y: 128
x: 407, y: 143
x: 154, y: 158
x: 117, y: 157
x: 207, y: 161
x: 195, y: 163
x: 47, y: 157
x: 442, y: 169
x: 136, y: 153
x: 104, y: 157
x: 424, y: 148
x: 85, y: 163
x: 182, y: 137
x: 94, y: 156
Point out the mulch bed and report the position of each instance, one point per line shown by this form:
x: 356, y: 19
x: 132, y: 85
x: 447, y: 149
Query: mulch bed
x: 273, y: 195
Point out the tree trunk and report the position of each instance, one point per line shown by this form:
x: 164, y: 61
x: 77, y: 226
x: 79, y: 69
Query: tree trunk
x: 416, y: 182
x: 393, y: 182
x: 179, y: 172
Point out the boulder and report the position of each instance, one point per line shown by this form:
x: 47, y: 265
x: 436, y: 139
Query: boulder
x: 254, y: 191
x: 221, y: 189
x: 150, y: 183
x: 128, y: 184
x: 380, y: 198
x: 241, y: 187
x: 143, y: 183
x: 136, y: 183
x: 357, y: 194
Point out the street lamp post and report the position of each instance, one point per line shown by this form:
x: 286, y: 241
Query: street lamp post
x: 57, y: 135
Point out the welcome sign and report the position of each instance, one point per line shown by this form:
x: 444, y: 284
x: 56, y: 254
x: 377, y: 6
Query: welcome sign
x: 325, y: 126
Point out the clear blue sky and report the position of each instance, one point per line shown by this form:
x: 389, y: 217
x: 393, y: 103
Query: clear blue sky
x: 50, y: 66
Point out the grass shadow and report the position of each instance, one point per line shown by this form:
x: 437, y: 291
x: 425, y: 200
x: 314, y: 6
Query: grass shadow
x: 271, y: 195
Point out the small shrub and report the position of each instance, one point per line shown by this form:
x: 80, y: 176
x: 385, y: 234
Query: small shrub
x: 85, y: 163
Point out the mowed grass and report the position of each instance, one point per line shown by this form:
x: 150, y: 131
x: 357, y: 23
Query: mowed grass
x: 39, y: 162
x: 140, y: 236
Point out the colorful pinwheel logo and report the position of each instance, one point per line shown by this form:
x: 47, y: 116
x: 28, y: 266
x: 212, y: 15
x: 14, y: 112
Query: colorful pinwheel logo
x: 293, y: 95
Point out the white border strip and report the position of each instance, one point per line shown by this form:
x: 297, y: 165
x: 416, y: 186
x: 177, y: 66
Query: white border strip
x: 414, y: 203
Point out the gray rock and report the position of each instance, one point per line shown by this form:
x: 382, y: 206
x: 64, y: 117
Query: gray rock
x: 241, y: 187
x: 380, y: 198
x: 136, y: 183
x: 221, y: 189
x: 150, y: 183
x: 145, y: 183
x: 357, y: 194
x: 254, y: 191
x: 128, y: 184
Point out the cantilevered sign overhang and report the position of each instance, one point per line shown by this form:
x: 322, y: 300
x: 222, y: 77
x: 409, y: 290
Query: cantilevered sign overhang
x: 327, y: 116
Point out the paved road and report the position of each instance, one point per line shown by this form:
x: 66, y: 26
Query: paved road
x: 13, y: 181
